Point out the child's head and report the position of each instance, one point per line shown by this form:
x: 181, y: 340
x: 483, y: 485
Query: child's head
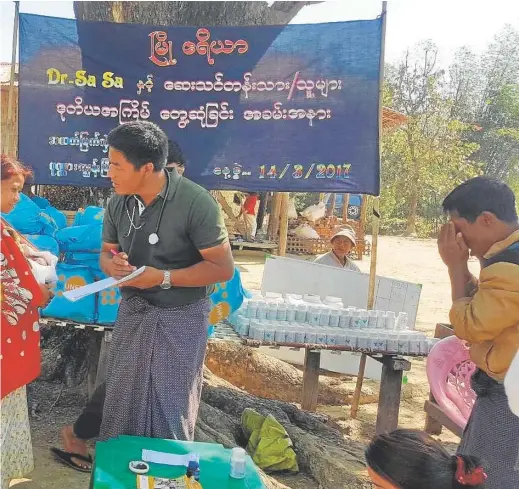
x: 408, y: 459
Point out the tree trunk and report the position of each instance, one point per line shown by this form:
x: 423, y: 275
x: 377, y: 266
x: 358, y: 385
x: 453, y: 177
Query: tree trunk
x: 411, y: 218
x: 190, y: 13
x: 265, y: 376
x: 322, y: 451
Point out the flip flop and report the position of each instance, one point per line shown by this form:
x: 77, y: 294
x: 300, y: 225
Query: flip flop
x: 66, y: 458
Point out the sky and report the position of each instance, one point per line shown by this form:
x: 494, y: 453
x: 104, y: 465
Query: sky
x: 449, y: 23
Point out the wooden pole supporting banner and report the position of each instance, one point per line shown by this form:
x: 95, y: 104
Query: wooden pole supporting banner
x: 283, y: 225
x: 376, y: 216
x: 374, y: 246
x: 11, y: 143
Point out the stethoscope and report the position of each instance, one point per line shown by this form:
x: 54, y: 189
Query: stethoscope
x: 153, y: 238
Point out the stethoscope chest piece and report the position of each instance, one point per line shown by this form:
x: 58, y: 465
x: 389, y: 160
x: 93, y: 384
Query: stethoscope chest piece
x: 153, y: 238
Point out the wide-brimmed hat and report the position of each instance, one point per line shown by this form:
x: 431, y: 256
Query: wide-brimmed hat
x: 346, y: 231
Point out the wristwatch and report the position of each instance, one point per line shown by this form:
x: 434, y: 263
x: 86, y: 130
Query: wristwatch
x: 166, y: 283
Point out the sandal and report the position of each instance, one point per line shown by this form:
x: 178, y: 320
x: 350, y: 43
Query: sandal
x: 66, y: 458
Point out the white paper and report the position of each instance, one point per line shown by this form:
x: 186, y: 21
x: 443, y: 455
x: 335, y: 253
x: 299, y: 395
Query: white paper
x: 168, y: 458
x: 81, y: 292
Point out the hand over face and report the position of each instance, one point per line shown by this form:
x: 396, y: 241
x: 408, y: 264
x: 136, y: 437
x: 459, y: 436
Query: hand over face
x: 452, y: 247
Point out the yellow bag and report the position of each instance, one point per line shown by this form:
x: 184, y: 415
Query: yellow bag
x: 269, y: 444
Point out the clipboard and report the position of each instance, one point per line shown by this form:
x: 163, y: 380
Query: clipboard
x: 81, y: 292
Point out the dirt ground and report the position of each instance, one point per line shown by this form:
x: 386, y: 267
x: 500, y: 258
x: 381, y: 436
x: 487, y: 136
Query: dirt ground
x: 407, y: 259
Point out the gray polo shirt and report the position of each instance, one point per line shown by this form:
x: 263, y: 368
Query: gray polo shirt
x: 191, y: 221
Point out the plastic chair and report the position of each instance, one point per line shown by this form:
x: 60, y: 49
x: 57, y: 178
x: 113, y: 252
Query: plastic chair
x: 449, y: 370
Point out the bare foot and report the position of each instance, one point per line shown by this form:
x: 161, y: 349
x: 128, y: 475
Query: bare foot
x: 73, y: 444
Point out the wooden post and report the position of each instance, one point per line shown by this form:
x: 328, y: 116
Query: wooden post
x: 11, y: 143
x: 331, y: 210
x: 363, y: 213
x: 262, y: 210
x: 283, y: 226
x: 358, y: 387
x: 389, y: 400
x: 311, y: 380
x: 274, y: 215
x: 345, y: 204
x: 374, y: 247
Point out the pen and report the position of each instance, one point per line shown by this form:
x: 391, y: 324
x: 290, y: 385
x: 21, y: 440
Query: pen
x: 115, y: 253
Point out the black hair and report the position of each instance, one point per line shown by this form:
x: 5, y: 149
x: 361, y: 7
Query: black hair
x: 411, y: 459
x: 175, y: 154
x: 141, y: 142
x: 482, y: 194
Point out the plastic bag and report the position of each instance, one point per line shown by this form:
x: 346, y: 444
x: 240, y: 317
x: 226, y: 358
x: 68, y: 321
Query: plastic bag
x: 59, y: 217
x: 44, y: 243
x: 306, y: 231
x: 107, y: 301
x: 314, y: 212
x: 90, y: 215
x: 80, y: 238
x: 72, y: 277
x: 28, y: 218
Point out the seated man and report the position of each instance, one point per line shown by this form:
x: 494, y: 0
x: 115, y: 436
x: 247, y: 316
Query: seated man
x: 483, y: 219
x: 343, y: 241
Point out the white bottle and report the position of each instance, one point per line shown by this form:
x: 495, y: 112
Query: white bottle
x: 372, y: 319
x: 238, y: 463
x: 291, y: 312
x: 324, y: 319
x: 314, y: 315
x: 301, y: 312
x: 262, y: 310
x: 335, y: 315
x: 345, y: 319
x: 282, y: 312
x: 390, y: 320
x: 381, y: 320
x: 272, y: 311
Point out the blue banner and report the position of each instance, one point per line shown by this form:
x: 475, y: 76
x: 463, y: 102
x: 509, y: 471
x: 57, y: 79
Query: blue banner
x: 282, y: 108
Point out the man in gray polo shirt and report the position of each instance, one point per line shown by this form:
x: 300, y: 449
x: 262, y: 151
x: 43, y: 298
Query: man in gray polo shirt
x: 174, y: 228
x: 88, y: 424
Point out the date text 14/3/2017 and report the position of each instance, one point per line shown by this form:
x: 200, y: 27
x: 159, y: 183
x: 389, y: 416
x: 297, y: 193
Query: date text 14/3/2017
x: 275, y: 172
x: 318, y: 170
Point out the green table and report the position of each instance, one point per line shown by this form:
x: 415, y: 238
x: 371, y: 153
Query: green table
x: 111, y: 470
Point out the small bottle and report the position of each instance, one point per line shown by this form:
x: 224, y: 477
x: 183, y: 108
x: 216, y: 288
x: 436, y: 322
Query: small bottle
x: 291, y: 312
x: 335, y: 316
x: 282, y: 312
x: 193, y: 470
x: 390, y: 320
x: 301, y: 311
x: 262, y: 310
x: 372, y: 319
x: 272, y: 311
x: 314, y: 316
x: 324, y: 319
x: 238, y: 463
